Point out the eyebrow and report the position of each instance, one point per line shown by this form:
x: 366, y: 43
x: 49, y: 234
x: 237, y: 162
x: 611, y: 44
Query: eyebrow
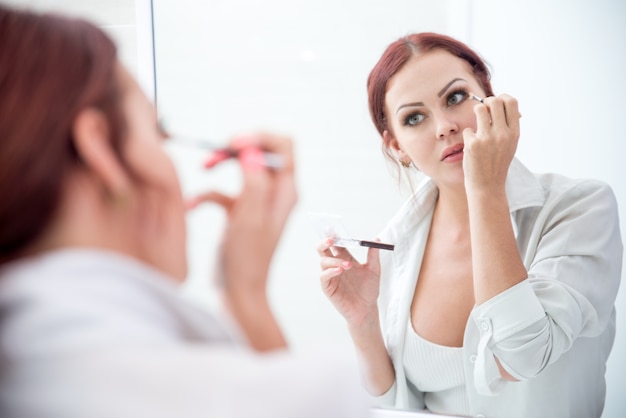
x: 441, y: 92
x: 409, y: 105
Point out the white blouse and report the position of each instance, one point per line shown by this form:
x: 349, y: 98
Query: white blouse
x: 88, y: 333
x: 553, y: 331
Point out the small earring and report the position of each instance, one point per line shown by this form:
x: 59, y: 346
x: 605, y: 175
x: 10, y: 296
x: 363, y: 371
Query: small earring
x: 405, y: 164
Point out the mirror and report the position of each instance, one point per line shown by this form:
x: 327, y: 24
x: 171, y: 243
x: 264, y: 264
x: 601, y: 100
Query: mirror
x: 300, y: 68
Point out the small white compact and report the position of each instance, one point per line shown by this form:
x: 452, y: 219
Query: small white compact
x: 328, y: 225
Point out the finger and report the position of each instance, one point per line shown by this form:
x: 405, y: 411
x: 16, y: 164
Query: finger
x: 469, y: 136
x: 281, y: 182
x: 343, y: 253
x: 483, y: 118
x: 278, y: 144
x: 323, y: 247
x: 211, y: 196
x: 373, y: 256
x: 327, y: 275
x: 255, y: 195
x: 334, y: 262
x: 251, y: 156
x: 327, y: 248
x: 496, y: 111
x: 216, y: 157
x: 470, y: 143
x: 513, y: 115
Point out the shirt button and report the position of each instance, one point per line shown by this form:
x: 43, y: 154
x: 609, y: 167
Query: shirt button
x: 472, y: 358
x: 479, y: 416
x: 484, y: 325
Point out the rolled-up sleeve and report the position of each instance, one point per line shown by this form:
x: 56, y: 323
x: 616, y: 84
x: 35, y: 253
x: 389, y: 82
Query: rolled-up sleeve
x: 573, y: 255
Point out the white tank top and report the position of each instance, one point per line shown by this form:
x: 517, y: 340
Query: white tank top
x: 438, y: 372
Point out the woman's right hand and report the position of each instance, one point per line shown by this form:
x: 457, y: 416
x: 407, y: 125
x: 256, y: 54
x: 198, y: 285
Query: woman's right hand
x: 352, y: 287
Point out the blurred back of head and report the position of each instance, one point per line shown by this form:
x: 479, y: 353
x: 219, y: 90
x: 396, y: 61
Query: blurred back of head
x: 51, y: 67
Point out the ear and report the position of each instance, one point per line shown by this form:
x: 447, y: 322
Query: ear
x: 392, y: 143
x: 92, y: 141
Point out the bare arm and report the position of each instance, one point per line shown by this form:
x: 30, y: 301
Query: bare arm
x: 376, y: 363
x: 496, y: 261
x: 353, y: 289
x: 256, y: 219
x: 497, y: 264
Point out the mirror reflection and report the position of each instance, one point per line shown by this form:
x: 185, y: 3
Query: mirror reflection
x: 487, y: 280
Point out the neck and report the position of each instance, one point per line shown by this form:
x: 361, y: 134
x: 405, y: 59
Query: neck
x: 85, y: 218
x: 451, y: 212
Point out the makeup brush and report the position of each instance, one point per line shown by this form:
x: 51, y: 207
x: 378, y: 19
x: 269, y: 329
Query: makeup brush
x: 221, y: 153
x: 474, y: 97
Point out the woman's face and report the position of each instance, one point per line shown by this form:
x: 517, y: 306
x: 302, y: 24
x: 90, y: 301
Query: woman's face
x: 427, y: 106
x: 160, y: 212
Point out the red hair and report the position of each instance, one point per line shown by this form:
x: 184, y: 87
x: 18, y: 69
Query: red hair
x: 399, y: 53
x: 51, y: 68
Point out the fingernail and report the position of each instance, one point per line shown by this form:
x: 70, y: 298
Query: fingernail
x: 338, y: 269
x: 191, y: 203
x: 215, y: 158
x: 251, y: 159
x: 244, y: 141
x: 346, y: 264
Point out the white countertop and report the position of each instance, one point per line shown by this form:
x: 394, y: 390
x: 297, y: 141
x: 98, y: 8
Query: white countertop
x: 394, y: 413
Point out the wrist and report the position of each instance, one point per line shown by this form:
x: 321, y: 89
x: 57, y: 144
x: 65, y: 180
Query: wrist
x: 252, y: 311
x: 364, y: 329
x: 245, y: 298
x: 485, y: 191
x: 485, y: 202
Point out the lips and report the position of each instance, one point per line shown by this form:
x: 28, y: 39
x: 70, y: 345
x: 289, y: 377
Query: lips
x: 452, y: 150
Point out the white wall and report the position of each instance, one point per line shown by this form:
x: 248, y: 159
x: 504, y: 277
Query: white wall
x: 294, y: 67
x: 298, y: 67
x: 119, y: 18
x: 127, y: 22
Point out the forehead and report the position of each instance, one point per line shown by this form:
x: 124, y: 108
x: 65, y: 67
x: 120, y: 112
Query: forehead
x: 424, y: 75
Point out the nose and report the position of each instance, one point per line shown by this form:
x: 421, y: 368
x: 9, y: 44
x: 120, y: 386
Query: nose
x: 446, y: 125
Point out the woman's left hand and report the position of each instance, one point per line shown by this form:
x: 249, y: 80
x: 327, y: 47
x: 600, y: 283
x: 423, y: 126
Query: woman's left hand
x: 490, y: 149
x: 256, y: 218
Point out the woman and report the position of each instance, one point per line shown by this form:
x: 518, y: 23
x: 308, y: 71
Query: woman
x: 499, y: 297
x: 92, y: 248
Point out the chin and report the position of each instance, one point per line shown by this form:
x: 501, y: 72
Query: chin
x: 182, y: 273
x: 178, y: 269
x: 171, y: 264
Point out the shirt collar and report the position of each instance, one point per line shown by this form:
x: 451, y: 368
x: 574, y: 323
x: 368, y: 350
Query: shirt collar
x: 523, y: 190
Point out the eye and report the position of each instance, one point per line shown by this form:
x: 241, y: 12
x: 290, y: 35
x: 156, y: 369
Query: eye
x: 456, y: 97
x: 413, y: 119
